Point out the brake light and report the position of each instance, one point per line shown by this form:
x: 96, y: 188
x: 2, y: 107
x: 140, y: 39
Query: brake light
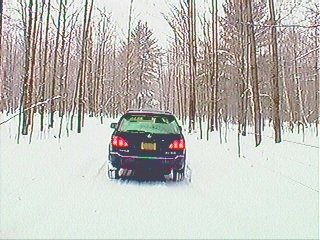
x: 119, y: 142
x: 178, y: 145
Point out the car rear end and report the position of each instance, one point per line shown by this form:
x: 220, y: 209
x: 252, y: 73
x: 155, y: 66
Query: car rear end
x: 145, y: 141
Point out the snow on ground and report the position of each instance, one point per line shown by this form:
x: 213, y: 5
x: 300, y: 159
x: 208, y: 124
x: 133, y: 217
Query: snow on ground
x: 55, y: 188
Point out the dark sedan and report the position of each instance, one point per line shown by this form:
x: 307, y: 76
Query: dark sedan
x: 147, y: 141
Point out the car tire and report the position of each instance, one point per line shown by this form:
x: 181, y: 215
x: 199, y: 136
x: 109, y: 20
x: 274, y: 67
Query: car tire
x: 116, y: 174
x: 113, y: 173
x: 178, y: 175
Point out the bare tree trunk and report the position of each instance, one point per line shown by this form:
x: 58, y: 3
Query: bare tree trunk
x: 286, y: 94
x: 316, y: 69
x: 169, y: 83
x: 26, y: 83
x: 207, y: 88
x: 192, y: 65
x: 88, y: 77
x: 254, y: 76
x: 64, y: 89
x: 296, y: 79
x: 161, y: 81
x: 212, y: 72
x: 44, y: 67
x: 1, y: 16
x: 241, y: 85
x: 63, y: 70
x: 99, y: 73
x: 174, y: 90
x: 185, y: 77
x: 40, y: 52
x: 127, y: 83
x: 216, y: 71
x: 32, y: 70
x: 102, y: 72
x: 247, y: 75
x: 200, y: 126
x: 53, y: 85
x: 275, y: 75
x: 177, y: 76
x: 3, y: 103
x: 82, y: 70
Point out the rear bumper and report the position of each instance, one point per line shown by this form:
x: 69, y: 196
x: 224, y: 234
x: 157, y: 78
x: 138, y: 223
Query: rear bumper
x: 118, y: 161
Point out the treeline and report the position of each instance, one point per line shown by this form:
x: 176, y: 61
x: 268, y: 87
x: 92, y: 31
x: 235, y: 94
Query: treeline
x: 247, y: 66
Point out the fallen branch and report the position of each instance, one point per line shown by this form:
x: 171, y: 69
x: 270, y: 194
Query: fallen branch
x: 306, y: 54
x: 281, y: 25
x: 33, y: 106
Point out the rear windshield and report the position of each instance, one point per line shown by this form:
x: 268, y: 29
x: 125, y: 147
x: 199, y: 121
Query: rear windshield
x: 161, y: 124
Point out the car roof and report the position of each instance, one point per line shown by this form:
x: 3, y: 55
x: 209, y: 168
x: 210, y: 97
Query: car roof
x: 148, y: 111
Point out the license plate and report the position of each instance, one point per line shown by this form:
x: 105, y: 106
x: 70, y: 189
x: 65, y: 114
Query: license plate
x: 148, y: 146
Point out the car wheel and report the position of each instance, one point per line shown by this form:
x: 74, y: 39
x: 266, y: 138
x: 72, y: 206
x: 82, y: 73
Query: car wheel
x: 178, y: 175
x: 113, y: 173
x: 116, y: 174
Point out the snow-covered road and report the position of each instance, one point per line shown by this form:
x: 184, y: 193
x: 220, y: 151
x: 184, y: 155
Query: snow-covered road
x: 52, y: 189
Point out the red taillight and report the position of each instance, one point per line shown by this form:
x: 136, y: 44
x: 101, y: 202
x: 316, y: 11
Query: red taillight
x: 178, y: 145
x: 119, y: 142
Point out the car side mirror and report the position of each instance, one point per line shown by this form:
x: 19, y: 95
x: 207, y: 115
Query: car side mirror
x: 114, y: 125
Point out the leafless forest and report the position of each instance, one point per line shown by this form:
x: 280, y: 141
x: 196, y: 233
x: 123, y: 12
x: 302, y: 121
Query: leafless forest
x: 249, y: 66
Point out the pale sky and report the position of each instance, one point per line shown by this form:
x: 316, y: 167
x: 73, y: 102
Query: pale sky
x: 146, y: 10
